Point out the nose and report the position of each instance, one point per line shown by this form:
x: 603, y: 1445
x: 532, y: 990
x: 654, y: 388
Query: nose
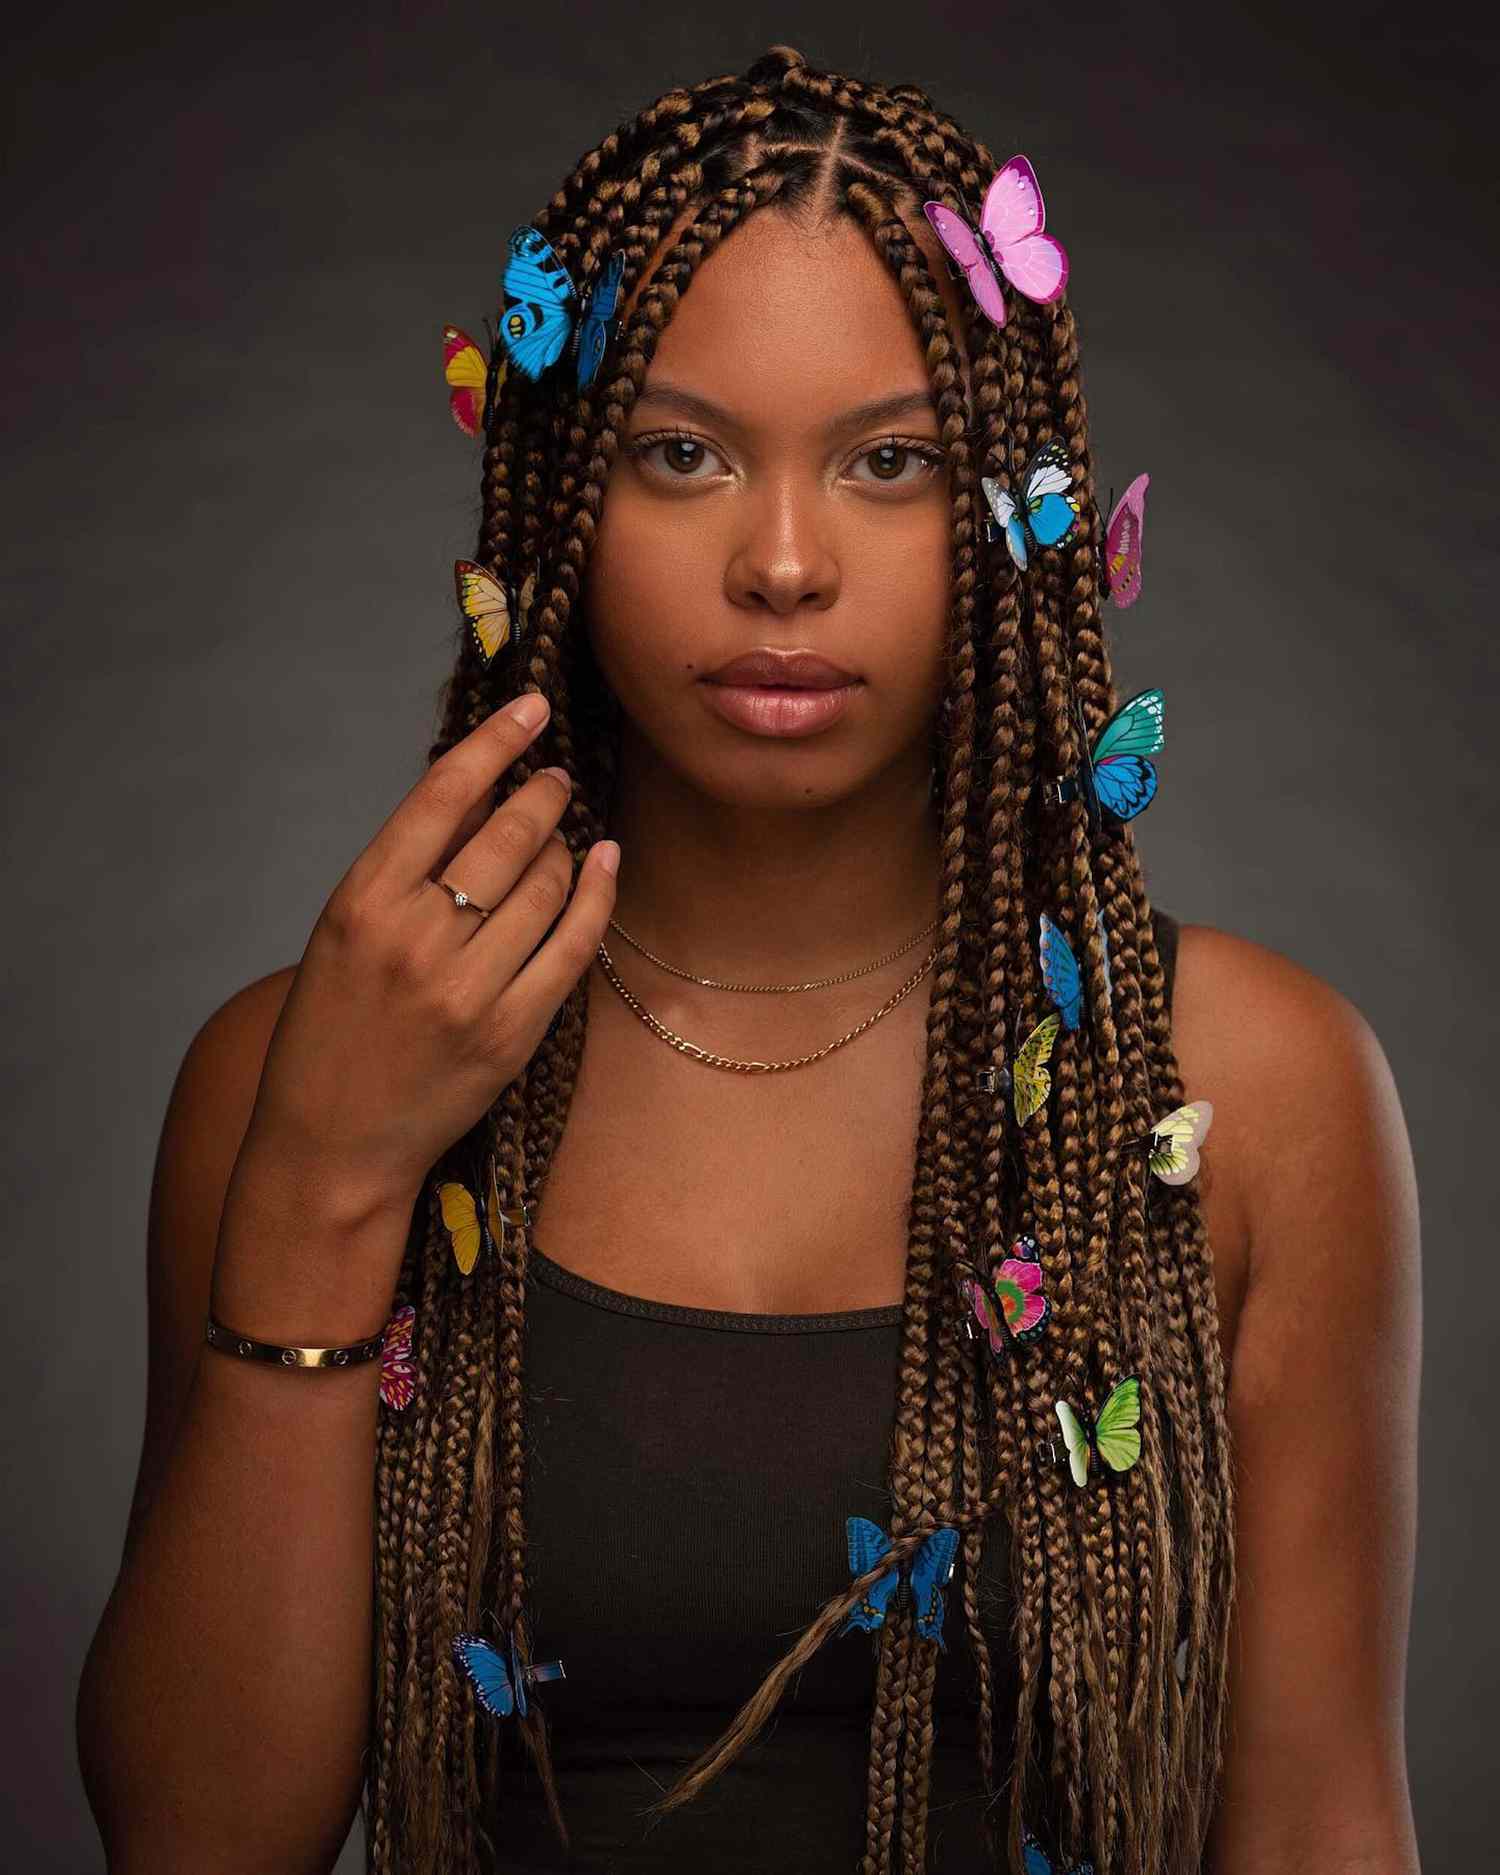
x: 784, y: 557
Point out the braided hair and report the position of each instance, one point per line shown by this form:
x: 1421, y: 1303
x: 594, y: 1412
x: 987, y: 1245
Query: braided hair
x: 1124, y: 1591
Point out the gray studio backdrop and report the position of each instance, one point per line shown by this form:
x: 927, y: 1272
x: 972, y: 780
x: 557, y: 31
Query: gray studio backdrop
x: 233, y: 497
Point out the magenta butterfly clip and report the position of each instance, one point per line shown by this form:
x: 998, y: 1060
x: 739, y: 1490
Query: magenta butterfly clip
x: 1008, y: 242
x: 398, y: 1374
x: 1014, y: 1308
x: 1123, y: 535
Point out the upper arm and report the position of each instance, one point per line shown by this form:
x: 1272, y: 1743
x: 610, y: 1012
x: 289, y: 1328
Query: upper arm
x: 1323, y: 1409
x: 206, y: 1118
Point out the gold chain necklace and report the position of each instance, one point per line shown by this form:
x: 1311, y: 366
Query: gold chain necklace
x: 765, y: 989
x: 712, y: 1060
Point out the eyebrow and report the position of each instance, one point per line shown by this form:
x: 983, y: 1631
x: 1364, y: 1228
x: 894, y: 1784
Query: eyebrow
x: 877, y: 410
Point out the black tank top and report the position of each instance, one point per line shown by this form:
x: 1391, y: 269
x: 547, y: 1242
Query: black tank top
x: 689, y: 1477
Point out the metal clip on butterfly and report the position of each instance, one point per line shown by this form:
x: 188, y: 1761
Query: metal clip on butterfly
x: 1123, y: 537
x: 1113, y: 1437
x: 1008, y: 244
x: 471, y: 1229
x: 923, y: 1575
x: 541, y: 313
x: 1014, y: 1308
x: 1048, y: 511
x: 1115, y: 777
x: 491, y: 606
x: 501, y: 1688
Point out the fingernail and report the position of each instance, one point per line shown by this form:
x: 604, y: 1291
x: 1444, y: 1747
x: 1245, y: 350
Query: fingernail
x: 529, y: 711
x: 608, y: 852
x: 561, y: 773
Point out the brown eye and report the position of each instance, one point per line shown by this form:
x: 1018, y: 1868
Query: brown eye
x: 889, y: 460
x: 680, y: 452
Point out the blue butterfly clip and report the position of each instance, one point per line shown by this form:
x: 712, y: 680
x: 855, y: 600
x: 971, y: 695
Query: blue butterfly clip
x: 1060, y: 971
x: 540, y: 309
x: 925, y: 1573
x: 501, y: 1688
x: 1048, y: 510
x: 1115, y: 775
x: 1036, y: 1861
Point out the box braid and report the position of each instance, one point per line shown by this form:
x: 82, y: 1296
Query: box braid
x: 1112, y: 1755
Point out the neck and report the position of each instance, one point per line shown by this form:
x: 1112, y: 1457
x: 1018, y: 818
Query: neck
x: 773, y: 893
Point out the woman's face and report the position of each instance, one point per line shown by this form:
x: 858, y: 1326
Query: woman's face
x: 753, y: 504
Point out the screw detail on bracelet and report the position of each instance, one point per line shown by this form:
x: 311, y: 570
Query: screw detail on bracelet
x: 230, y: 1341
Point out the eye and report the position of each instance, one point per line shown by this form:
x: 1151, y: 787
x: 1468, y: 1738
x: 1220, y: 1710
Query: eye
x: 682, y: 453
x: 897, y: 454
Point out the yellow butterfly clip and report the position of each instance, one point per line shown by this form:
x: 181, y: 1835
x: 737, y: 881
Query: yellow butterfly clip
x: 1029, y: 1083
x: 489, y: 607
x: 471, y: 1230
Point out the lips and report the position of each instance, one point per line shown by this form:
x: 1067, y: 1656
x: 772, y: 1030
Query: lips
x: 790, y: 670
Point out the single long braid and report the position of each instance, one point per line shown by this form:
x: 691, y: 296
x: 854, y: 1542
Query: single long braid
x: 1111, y: 1754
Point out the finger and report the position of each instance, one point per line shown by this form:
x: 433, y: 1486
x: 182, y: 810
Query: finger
x: 490, y: 864
x: 540, y: 985
x: 424, y: 825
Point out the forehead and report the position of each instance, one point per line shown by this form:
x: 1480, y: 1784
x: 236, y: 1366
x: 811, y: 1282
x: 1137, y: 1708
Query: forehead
x: 806, y: 315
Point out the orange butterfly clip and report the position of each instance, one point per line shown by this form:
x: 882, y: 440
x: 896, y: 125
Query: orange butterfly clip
x: 468, y: 374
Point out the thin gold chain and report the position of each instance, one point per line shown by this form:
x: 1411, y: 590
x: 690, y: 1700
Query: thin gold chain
x: 712, y: 1060
x: 711, y: 983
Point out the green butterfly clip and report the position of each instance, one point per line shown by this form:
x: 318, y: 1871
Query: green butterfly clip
x: 1114, y: 1436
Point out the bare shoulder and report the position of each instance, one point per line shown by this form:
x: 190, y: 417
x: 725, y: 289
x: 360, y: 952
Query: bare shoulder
x: 206, y: 1117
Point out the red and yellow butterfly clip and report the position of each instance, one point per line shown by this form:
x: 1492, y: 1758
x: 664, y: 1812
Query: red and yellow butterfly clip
x: 471, y: 395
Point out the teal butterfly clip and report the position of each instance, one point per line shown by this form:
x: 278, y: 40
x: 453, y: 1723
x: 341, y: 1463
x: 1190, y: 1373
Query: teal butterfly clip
x: 500, y: 1684
x: 925, y: 1575
x: 541, y: 312
x: 1115, y: 776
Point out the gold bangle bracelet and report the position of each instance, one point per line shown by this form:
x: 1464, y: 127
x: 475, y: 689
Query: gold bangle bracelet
x: 227, y: 1341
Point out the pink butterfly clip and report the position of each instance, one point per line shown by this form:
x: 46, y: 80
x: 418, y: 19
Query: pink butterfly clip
x: 1008, y: 241
x: 398, y: 1375
x: 1122, y: 544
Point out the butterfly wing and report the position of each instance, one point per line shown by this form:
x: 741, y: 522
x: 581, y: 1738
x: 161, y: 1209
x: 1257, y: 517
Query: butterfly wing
x: 979, y: 270
x: 983, y: 1306
x: 398, y: 1376
x: 1012, y: 220
x: 867, y: 1544
x: 930, y: 1570
x: 1076, y: 1440
x: 1116, y: 1430
x: 1003, y: 508
x: 1019, y: 1292
x: 467, y: 374
x: 461, y: 1216
x: 485, y: 603
x: 1032, y: 1081
x: 487, y: 1672
x: 1034, y: 1859
x: 1122, y: 544
x: 1175, y: 1141
x: 537, y: 303
x: 593, y: 336
x: 1061, y: 974
x: 1050, y: 506
x: 1136, y: 728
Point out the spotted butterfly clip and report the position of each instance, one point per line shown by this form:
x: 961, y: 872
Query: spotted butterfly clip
x: 491, y: 606
x: 398, y: 1374
x: 473, y: 381
x: 1112, y: 1438
x: 1115, y: 776
x: 500, y: 1685
x: 923, y: 1575
x: 1013, y: 1309
x: 1048, y: 511
x: 1009, y: 243
x: 472, y: 1229
x: 1124, y: 533
x: 1061, y: 973
x: 541, y: 312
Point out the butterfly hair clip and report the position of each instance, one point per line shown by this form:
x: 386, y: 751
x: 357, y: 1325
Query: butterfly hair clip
x: 1172, y: 1144
x: 398, y: 1374
x: 1029, y: 1082
x: 1008, y: 245
x: 499, y: 1683
x: 473, y: 380
x: 472, y: 1228
x: 1036, y: 1861
x: 542, y: 313
x: 1115, y: 777
x: 1112, y: 1438
x: 1060, y: 971
x: 1123, y: 534
x: 491, y: 606
x: 1047, y: 513
x: 1011, y: 1310
x: 924, y: 1576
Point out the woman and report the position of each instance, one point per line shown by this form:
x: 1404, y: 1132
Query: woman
x: 698, y: 1237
